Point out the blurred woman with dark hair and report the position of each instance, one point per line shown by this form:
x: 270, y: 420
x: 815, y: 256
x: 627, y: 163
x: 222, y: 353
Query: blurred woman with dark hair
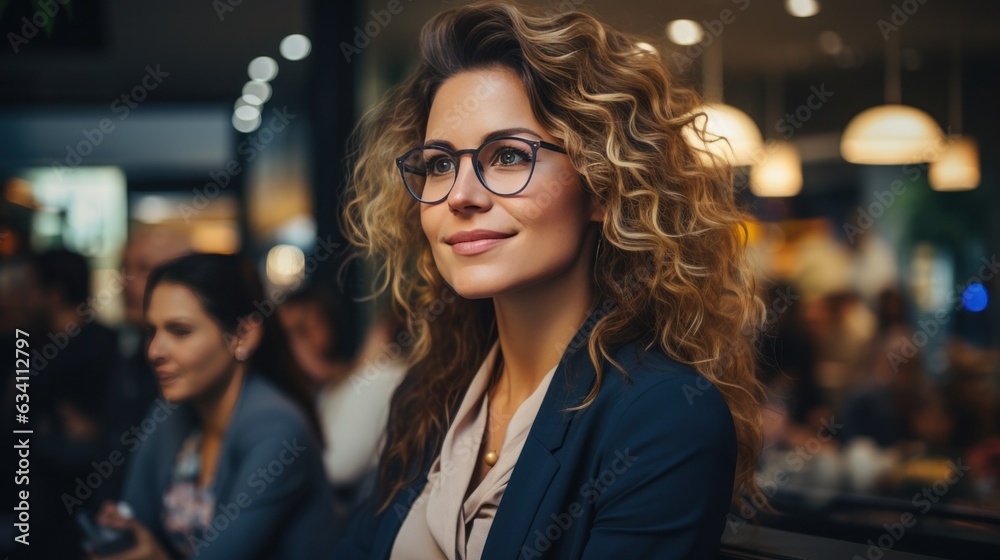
x: 230, y: 467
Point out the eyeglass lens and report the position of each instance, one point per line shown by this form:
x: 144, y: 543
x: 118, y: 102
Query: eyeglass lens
x: 505, y: 166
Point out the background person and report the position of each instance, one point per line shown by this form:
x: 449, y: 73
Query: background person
x: 233, y: 471
x: 352, y: 393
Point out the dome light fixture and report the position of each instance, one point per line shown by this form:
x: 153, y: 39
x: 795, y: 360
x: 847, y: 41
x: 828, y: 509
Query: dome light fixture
x: 721, y: 133
x: 893, y: 133
x: 957, y: 169
x: 779, y: 172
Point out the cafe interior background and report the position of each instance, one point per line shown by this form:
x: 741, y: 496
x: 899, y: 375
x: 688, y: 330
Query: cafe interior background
x: 864, y: 134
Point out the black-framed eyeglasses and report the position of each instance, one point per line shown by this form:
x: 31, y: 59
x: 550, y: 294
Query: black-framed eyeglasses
x: 503, y: 165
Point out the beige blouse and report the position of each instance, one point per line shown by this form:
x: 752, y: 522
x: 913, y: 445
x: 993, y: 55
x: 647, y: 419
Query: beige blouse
x: 441, y: 524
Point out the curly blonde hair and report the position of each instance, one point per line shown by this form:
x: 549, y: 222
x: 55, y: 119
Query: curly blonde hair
x: 673, y: 259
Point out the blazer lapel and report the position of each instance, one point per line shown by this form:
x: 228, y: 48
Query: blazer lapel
x: 222, y: 481
x: 392, y: 518
x: 536, y: 466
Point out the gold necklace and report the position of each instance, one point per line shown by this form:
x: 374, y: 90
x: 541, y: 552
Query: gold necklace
x: 492, y: 456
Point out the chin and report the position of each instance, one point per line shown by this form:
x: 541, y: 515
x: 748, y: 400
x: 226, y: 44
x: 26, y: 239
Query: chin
x: 477, y: 282
x: 481, y: 286
x: 174, y: 394
x: 477, y: 293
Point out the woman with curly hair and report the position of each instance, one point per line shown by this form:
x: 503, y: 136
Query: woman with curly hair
x: 581, y: 380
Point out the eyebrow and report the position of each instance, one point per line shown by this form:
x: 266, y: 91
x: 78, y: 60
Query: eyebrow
x: 487, y: 137
x: 181, y: 321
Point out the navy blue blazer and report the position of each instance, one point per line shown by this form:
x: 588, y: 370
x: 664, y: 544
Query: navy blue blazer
x: 646, y: 471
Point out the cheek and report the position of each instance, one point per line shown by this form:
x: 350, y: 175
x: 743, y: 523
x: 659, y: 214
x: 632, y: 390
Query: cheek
x: 555, y: 204
x: 430, y: 219
x: 555, y: 184
x: 319, y: 340
x: 206, y: 358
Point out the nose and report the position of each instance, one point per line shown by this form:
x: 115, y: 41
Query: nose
x: 156, y: 350
x: 468, y: 194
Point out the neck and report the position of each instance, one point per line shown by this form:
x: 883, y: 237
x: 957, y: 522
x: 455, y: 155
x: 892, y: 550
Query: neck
x: 536, y: 325
x: 216, y: 408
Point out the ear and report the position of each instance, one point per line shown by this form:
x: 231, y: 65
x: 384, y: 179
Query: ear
x: 597, y: 210
x: 249, y: 333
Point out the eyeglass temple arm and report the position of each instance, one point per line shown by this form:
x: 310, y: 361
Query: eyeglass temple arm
x: 552, y: 147
x: 410, y: 169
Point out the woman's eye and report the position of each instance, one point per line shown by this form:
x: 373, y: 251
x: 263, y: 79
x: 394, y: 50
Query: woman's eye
x: 181, y: 332
x: 439, y: 166
x: 511, y: 156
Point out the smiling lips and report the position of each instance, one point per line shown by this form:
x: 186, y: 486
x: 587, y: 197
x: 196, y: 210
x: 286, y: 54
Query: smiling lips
x: 474, y: 242
x: 166, y: 378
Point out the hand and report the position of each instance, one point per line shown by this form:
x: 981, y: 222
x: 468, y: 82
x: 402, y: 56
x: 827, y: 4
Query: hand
x: 78, y: 425
x: 146, y: 547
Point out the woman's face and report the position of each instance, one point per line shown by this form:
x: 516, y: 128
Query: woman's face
x: 187, y: 348
x: 538, y: 234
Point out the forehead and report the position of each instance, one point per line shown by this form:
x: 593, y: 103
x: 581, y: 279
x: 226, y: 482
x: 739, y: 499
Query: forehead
x: 471, y: 104
x: 298, y: 310
x: 173, y: 300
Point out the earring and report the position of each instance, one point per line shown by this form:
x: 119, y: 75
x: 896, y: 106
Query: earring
x: 241, y: 354
x: 597, y: 254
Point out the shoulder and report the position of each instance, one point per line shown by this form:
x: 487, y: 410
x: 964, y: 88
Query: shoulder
x: 265, y: 413
x: 658, y: 393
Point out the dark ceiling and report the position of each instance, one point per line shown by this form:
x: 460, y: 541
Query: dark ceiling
x: 103, y: 47
x: 763, y: 36
x: 96, y: 49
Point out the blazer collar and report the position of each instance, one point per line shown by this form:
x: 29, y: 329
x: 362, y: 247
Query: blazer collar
x: 254, y: 384
x: 535, y: 467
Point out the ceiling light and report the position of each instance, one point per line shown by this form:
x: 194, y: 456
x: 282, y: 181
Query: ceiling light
x: 728, y: 134
x: 802, y: 8
x: 685, y: 32
x: 779, y: 172
x: 295, y: 47
x: 957, y: 168
x: 891, y: 135
x: 285, y: 264
x: 256, y: 93
x: 245, y: 111
x: 721, y: 133
x: 263, y: 68
x: 246, y: 126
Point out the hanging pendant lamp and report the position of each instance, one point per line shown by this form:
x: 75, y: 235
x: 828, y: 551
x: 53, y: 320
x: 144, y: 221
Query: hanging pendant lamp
x: 778, y: 173
x: 723, y: 134
x: 891, y: 134
x: 957, y: 168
